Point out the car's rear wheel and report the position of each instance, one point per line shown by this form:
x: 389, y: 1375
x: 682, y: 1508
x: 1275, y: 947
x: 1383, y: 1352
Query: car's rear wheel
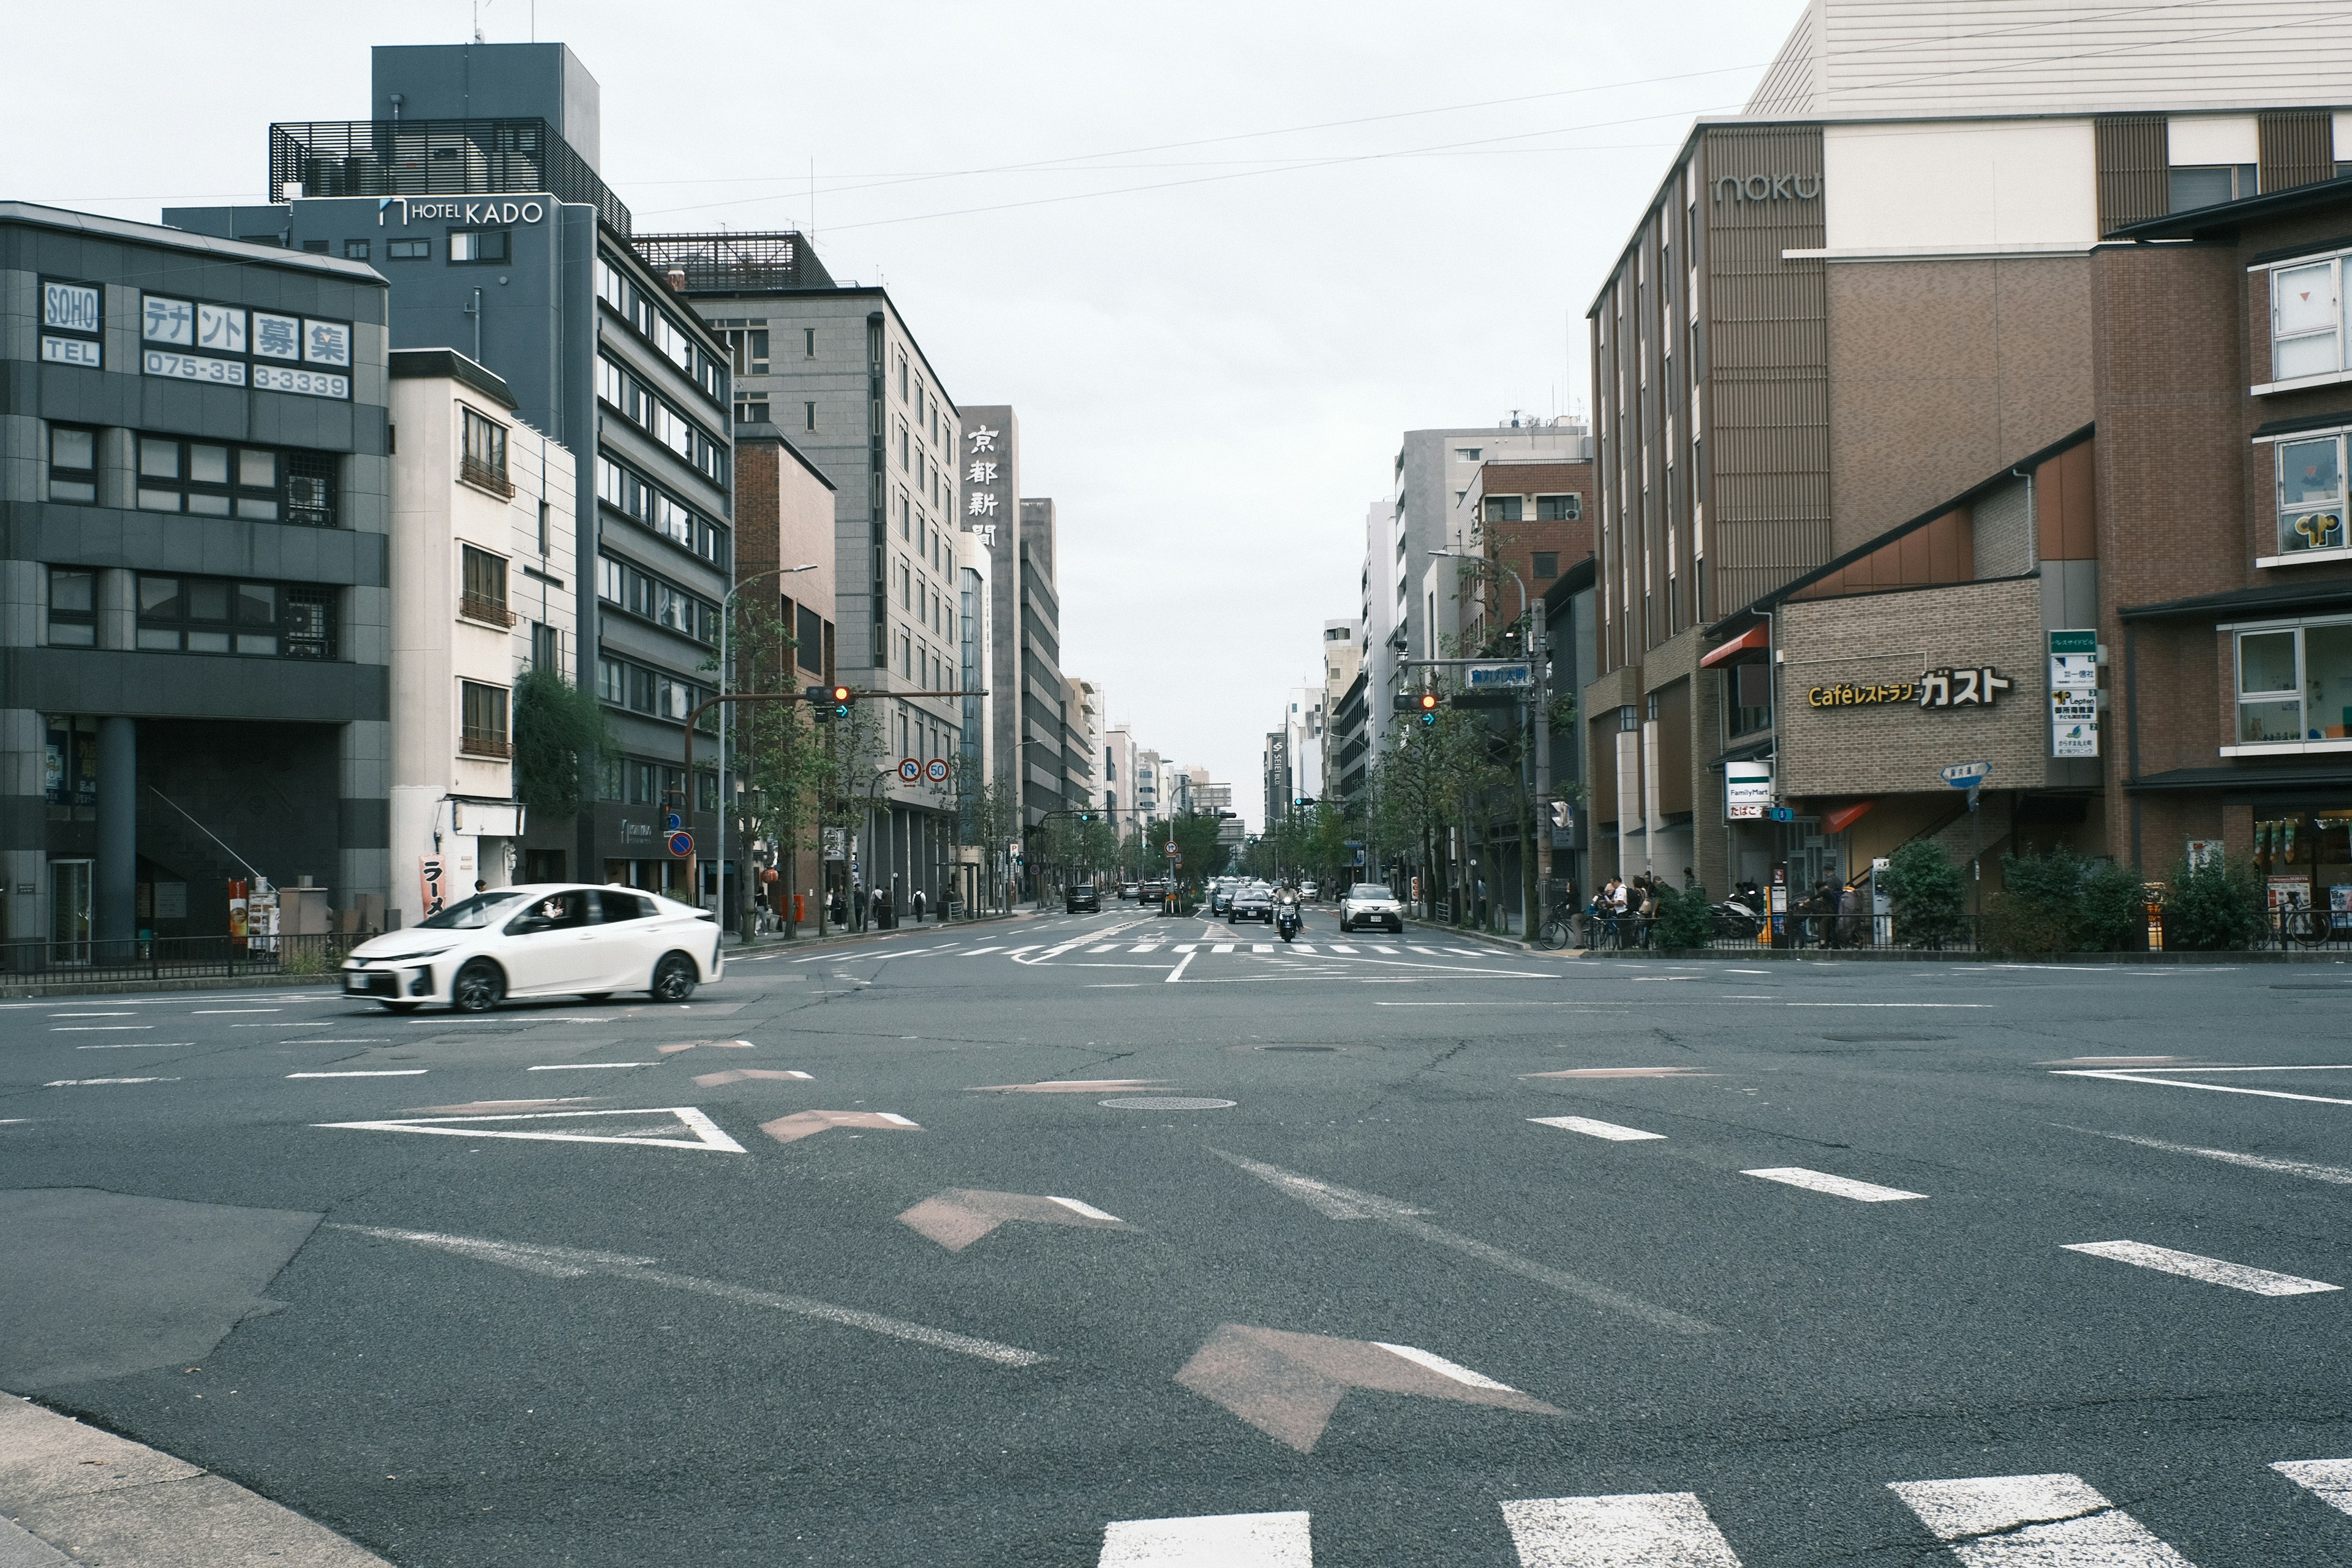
x: 479, y: 987
x: 674, y: 978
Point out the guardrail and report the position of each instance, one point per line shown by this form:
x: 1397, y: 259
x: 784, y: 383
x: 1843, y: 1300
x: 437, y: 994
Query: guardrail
x: 177, y: 957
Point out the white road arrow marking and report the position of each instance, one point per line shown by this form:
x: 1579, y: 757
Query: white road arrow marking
x: 703, y: 1133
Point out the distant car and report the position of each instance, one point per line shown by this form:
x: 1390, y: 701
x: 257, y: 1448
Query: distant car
x: 1151, y: 892
x: 1252, y: 901
x: 1305, y: 889
x: 1221, y: 896
x: 540, y: 939
x: 1126, y: 891
x: 1081, y: 895
x: 1370, y: 904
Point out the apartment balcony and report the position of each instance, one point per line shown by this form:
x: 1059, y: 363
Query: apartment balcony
x: 489, y: 747
x: 483, y: 477
x: 491, y: 611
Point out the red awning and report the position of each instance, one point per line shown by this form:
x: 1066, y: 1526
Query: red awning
x: 1755, y: 640
x: 1844, y: 817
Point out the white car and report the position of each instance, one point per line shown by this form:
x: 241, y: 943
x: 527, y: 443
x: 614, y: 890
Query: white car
x: 1370, y: 904
x: 550, y: 938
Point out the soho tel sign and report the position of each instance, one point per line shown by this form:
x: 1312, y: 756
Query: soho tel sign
x: 1769, y: 187
x: 495, y: 211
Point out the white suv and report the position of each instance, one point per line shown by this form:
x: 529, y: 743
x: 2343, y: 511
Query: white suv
x: 1370, y: 904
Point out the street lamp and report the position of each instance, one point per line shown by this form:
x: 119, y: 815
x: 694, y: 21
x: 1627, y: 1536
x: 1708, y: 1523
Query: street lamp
x: 726, y: 607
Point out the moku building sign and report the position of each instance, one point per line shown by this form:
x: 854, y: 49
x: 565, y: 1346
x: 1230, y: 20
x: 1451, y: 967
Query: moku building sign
x: 1769, y: 187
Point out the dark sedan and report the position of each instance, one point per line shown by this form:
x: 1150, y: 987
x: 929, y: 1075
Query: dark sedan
x: 1255, y: 902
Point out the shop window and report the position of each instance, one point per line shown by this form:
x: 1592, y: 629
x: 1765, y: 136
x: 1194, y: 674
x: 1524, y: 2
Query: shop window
x: 73, y: 608
x: 2294, y: 684
x: 73, y: 464
x: 1558, y: 509
x: 482, y: 719
x: 2310, y: 495
x: 2307, y: 319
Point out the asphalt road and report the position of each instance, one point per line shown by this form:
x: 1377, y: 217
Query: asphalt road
x: 998, y: 1247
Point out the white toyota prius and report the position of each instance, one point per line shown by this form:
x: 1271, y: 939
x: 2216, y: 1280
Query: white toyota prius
x: 544, y: 940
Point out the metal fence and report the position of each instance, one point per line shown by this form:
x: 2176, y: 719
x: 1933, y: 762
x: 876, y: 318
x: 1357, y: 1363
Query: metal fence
x: 178, y: 957
x: 2287, y: 931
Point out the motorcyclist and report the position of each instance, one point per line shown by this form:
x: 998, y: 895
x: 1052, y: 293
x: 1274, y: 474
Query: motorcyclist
x: 1286, y: 913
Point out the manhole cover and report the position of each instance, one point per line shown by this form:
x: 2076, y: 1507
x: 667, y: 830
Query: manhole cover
x: 1166, y: 1102
x: 1298, y: 1047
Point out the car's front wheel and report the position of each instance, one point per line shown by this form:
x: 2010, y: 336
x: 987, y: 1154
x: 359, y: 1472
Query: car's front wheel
x: 479, y: 987
x: 674, y: 978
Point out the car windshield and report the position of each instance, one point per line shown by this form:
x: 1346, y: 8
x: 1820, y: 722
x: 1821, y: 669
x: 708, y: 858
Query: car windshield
x: 1369, y: 891
x: 472, y: 914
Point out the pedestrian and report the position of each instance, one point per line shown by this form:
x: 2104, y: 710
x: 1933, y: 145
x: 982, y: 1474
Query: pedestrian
x: 918, y: 906
x: 859, y: 899
x: 839, y: 910
x: 1481, y: 885
x: 1854, y: 911
x: 1690, y: 881
x: 1648, y: 908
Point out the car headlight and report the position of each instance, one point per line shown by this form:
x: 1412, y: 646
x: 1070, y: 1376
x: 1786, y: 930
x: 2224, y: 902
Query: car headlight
x: 398, y: 957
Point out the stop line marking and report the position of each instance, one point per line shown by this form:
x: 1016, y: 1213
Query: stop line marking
x: 1836, y: 1186
x: 371, y: 1072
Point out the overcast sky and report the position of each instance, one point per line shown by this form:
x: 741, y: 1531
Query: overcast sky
x: 1218, y: 256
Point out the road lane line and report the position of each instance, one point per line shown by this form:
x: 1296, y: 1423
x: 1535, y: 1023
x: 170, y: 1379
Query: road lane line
x: 212, y: 1012
x: 1344, y: 1204
x: 78, y: 1082
x: 1889, y: 1003
x: 1836, y: 1186
x: 2210, y: 1270
x: 373, y: 1072
x: 118, y: 1013
x: 1181, y: 965
x: 94, y: 1029
x: 1630, y: 1530
x: 570, y: 1263
x: 1592, y: 1129
x: 141, y: 1045
x: 2329, y: 1481
x: 2334, y: 1173
x: 585, y: 1066
x: 2033, y: 1521
x: 2214, y: 1087
x: 1209, y: 1540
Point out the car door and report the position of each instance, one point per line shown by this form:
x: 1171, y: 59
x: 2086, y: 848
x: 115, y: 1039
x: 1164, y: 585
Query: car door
x: 548, y: 946
x: 626, y: 939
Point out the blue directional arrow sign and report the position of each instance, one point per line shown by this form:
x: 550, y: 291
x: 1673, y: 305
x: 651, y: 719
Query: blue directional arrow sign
x: 1966, y: 776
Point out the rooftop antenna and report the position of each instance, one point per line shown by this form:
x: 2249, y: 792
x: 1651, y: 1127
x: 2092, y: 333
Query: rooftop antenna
x: 477, y: 19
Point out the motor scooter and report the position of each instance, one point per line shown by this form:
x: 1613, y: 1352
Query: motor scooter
x: 1285, y: 920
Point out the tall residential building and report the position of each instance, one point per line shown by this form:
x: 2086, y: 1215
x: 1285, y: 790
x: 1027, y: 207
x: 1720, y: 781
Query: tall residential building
x: 500, y: 240
x: 482, y: 517
x: 1915, y: 199
x: 1148, y: 805
x: 838, y: 369
x: 1433, y: 470
x: 1081, y: 702
x: 1119, y: 777
x: 196, y: 530
x: 1043, y: 748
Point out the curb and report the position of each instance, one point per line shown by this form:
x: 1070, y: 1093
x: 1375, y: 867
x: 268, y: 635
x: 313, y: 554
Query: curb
x: 72, y: 1493
x: 1955, y: 955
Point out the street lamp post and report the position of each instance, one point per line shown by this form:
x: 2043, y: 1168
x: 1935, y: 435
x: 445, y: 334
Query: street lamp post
x: 726, y: 617
x: 1539, y: 722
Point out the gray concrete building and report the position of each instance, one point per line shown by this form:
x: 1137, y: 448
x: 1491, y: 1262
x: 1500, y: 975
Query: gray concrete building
x: 193, y: 628
x: 474, y: 188
x: 1047, y: 734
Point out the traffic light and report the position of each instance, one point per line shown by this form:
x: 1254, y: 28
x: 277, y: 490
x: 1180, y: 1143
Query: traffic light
x: 1429, y: 702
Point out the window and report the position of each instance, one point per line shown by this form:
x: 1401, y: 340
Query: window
x: 1466, y: 453
x: 1558, y: 509
x: 1503, y: 509
x: 752, y: 411
x: 482, y: 721
x: 408, y: 249
x: 808, y: 338
x: 355, y: 250
x: 2295, y: 683
x: 213, y: 478
x: 1547, y: 568
x: 73, y: 608
x: 483, y: 463
x: 628, y: 493
x: 546, y: 647
x: 482, y: 593
x: 747, y: 350
x: 73, y: 464
x: 810, y: 423
x: 218, y: 614
x: 2310, y: 495
x: 810, y: 634
x: 2209, y: 184
x: 650, y: 598
x: 2307, y: 319
x: 478, y: 245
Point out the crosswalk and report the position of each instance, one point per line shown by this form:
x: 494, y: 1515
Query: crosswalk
x: 1094, y: 947
x: 2051, y: 1521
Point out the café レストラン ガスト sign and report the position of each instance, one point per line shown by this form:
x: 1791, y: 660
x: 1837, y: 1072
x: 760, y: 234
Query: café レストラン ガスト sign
x: 1945, y: 687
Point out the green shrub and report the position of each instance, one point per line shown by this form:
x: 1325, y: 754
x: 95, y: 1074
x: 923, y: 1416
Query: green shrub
x: 1925, y: 887
x: 1683, y: 921
x: 2063, y: 902
x: 2115, y: 909
x: 558, y: 732
x: 2215, y: 905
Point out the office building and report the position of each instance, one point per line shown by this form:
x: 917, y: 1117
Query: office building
x: 473, y: 187
x: 198, y: 572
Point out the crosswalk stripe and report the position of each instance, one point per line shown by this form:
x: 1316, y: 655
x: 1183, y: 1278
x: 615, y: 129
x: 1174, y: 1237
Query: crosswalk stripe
x: 2033, y: 1521
x: 976, y: 952
x: 2329, y: 1481
x: 1300, y: 947
x: 1592, y: 1129
x: 1466, y: 952
x: 1222, y: 947
x: 1103, y: 948
x: 1188, y: 946
x: 1335, y: 947
x: 1836, y: 1186
x: 1431, y: 950
x: 1261, y: 947
x: 1209, y: 1540
x: 2212, y: 1271
x: 1378, y: 948
x: 1633, y: 1530
x: 1017, y: 952
x: 1145, y: 947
